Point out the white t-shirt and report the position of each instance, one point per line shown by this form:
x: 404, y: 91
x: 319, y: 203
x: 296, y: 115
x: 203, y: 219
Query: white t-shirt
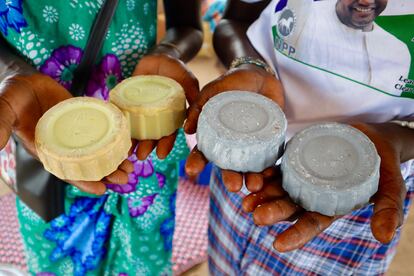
x: 331, y: 72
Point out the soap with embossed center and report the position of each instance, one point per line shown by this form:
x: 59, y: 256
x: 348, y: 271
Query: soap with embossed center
x: 241, y: 131
x: 156, y: 105
x: 82, y: 139
x: 330, y: 168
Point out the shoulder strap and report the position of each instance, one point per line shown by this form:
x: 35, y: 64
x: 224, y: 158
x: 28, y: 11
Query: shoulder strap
x: 93, y: 46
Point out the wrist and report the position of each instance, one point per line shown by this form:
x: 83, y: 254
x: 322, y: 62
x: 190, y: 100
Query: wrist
x: 250, y: 67
x: 168, y: 49
x: 251, y: 63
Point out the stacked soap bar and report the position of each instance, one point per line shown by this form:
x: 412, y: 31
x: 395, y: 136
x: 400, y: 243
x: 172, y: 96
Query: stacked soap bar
x: 241, y: 131
x: 330, y: 168
x: 82, y: 139
x: 155, y: 105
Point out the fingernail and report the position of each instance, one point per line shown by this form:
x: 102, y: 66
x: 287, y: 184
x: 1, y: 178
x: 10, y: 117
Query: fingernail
x: 384, y: 231
x: 280, y: 247
x: 259, y: 217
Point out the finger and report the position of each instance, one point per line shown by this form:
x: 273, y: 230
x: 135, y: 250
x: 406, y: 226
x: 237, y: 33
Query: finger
x: 210, y: 90
x: 117, y: 177
x: 275, y: 211
x: 134, y: 144
x: 193, y: 112
x: 232, y: 180
x: 254, y: 182
x: 144, y: 148
x: 272, y: 172
x: 7, y: 120
x: 306, y: 228
x: 126, y: 166
x: 389, y: 199
x: 388, y: 206
x: 91, y: 187
x: 165, y: 145
x: 269, y: 192
x: 195, y: 162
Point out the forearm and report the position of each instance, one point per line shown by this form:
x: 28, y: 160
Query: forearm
x: 180, y: 42
x: 230, y: 38
x: 11, y: 64
x: 184, y: 35
x: 230, y: 41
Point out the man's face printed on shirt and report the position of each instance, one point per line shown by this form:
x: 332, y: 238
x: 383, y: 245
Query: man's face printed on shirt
x: 359, y: 14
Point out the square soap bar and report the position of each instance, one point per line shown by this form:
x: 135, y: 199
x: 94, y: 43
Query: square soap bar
x: 330, y: 168
x: 241, y: 131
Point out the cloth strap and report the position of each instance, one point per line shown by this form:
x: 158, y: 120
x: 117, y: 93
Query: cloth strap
x: 93, y: 46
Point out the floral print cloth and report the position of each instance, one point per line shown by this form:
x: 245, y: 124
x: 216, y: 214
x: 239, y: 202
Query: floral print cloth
x: 129, y: 230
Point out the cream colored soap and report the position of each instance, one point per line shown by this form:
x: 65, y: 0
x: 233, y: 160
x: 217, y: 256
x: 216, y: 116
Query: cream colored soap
x: 82, y: 139
x: 155, y: 104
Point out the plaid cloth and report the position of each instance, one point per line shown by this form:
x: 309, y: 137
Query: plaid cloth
x: 347, y: 247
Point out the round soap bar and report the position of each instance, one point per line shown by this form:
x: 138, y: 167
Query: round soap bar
x: 155, y: 104
x: 241, y: 131
x: 82, y: 139
x: 330, y: 169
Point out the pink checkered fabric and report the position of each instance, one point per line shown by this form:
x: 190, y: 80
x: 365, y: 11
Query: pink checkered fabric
x: 11, y: 246
x: 190, y: 238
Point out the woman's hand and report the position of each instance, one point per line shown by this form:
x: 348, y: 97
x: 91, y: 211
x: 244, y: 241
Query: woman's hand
x: 272, y: 204
x: 23, y: 100
x: 167, y: 66
x: 245, y: 78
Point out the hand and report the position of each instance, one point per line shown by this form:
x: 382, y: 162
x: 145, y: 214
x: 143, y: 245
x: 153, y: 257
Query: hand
x: 272, y: 204
x: 247, y: 78
x: 23, y: 100
x: 167, y: 66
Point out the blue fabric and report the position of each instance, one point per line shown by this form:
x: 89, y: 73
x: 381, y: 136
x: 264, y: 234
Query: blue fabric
x: 11, y: 16
x: 204, y: 177
x: 217, y: 7
x: 168, y: 225
x: 81, y: 234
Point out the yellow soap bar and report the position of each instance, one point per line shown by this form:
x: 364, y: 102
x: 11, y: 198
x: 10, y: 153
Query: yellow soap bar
x: 155, y: 104
x: 82, y: 139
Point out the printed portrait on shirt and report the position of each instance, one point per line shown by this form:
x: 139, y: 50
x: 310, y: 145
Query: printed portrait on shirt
x: 365, y: 41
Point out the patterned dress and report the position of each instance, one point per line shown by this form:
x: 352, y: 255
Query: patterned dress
x: 129, y: 230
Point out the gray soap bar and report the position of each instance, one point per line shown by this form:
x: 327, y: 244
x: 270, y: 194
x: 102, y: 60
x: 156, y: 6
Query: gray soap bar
x: 331, y: 169
x: 241, y: 131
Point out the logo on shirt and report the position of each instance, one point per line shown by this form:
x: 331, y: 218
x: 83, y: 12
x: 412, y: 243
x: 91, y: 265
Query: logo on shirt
x: 286, y: 23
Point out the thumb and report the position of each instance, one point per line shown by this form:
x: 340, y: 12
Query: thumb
x: 7, y: 120
x: 389, y: 199
x: 388, y: 204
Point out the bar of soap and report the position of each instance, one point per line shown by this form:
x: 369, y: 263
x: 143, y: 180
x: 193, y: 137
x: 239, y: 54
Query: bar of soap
x: 82, y: 139
x: 241, y: 131
x: 330, y: 168
x: 155, y: 104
